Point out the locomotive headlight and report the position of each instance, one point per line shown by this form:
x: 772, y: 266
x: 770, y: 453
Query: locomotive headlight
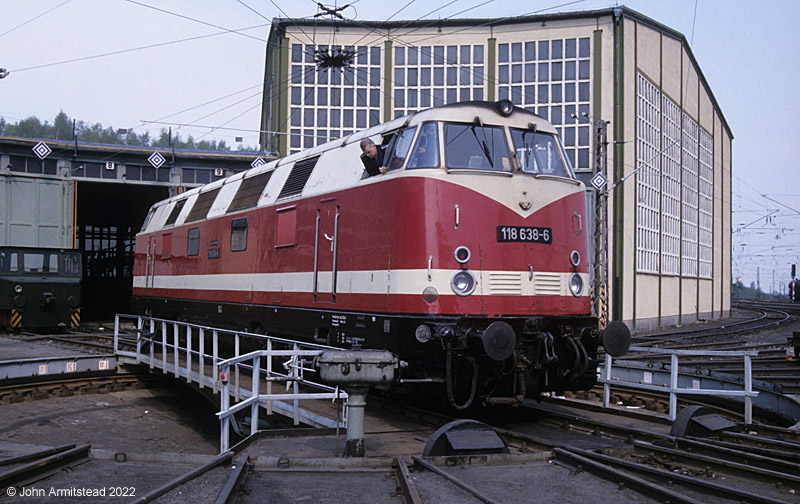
x: 463, y: 283
x: 462, y: 255
x: 423, y: 333
x: 505, y: 107
x: 73, y: 301
x: 20, y: 301
x: 18, y: 289
x: 430, y: 294
x: 575, y: 258
x: 576, y: 284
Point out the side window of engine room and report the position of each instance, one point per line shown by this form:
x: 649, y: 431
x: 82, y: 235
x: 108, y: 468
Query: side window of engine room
x: 193, y: 242
x: 238, y: 234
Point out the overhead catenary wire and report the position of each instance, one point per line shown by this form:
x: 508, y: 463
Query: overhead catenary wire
x: 33, y: 18
x: 133, y: 49
x: 260, y: 84
x: 182, y: 16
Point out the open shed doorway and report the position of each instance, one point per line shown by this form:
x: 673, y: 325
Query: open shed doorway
x: 108, y: 217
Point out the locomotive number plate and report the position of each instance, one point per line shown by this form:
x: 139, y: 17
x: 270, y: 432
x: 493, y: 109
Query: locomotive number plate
x: 524, y: 234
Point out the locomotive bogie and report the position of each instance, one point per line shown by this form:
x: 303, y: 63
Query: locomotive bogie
x: 461, y: 257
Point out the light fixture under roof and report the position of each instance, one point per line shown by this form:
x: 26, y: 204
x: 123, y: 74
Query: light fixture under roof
x: 336, y: 58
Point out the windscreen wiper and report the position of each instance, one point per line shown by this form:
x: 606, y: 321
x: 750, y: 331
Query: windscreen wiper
x: 484, y: 146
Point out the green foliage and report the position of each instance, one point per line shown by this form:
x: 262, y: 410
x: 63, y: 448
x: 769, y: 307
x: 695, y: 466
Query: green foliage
x: 740, y: 291
x: 62, y: 129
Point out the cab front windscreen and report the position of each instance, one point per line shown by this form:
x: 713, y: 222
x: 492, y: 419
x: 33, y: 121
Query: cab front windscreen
x: 476, y: 147
x: 539, y: 153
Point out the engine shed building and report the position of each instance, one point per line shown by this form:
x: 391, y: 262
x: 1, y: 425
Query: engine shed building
x: 94, y: 197
x: 669, y: 145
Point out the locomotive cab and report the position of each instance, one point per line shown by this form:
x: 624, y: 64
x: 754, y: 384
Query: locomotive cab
x: 39, y: 288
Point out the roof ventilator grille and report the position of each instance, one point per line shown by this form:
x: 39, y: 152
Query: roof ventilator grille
x: 297, y: 179
x: 202, y: 205
x: 249, y: 192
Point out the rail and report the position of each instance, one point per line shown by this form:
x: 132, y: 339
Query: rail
x: 649, y: 379
x: 181, y: 349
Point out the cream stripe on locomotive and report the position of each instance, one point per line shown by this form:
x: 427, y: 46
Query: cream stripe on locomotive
x: 508, y: 283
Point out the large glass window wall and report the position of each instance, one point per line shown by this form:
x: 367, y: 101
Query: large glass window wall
x: 675, y: 188
x: 553, y: 79
x: 431, y: 76
x: 329, y: 103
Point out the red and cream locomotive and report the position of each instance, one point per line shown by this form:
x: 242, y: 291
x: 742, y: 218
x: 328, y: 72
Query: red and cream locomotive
x: 467, y: 258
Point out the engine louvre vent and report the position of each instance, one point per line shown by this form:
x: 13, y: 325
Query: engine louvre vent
x: 509, y: 284
x: 547, y: 284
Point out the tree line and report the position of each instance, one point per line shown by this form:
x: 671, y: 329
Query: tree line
x: 62, y: 129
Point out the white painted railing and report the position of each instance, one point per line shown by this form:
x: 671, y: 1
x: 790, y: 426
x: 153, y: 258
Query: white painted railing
x: 646, y: 380
x: 180, y: 348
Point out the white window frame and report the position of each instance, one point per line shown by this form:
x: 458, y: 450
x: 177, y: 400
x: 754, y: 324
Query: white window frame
x: 648, y: 177
x: 706, y: 204
x: 671, y: 188
x: 690, y: 215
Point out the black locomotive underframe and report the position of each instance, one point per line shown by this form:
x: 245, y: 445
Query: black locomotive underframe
x: 396, y: 333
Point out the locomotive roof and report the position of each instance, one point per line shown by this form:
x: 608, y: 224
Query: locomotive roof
x: 344, y: 168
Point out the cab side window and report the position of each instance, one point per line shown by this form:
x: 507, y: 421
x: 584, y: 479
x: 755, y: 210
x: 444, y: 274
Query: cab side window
x: 426, y: 151
x: 72, y: 263
x: 9, y: 261
x: 398, y: 151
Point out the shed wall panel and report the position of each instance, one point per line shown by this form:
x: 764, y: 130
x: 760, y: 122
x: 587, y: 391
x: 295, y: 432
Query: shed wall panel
x: 672, y: 84
x: 648, y: 52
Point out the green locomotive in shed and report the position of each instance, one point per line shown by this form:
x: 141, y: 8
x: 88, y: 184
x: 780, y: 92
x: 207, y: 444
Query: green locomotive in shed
x: 40, y: 288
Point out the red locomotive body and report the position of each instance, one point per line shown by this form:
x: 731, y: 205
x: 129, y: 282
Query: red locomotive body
x: 468, y: 258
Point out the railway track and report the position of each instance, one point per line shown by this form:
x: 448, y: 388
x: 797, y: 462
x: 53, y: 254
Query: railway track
x: 60, y: 386
x: 219, y: 478
x: 748, y: 466
x: 90, y: 340
x: 680, y: 337
x: 738, y: 467
x: 793, y: 308
x: 636, y: 461
x: 775, y: 363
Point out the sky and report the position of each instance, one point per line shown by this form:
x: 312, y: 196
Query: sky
x: 198, y: 65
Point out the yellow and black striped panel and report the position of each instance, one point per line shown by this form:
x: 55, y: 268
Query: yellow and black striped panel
x: 75, y: 318
x: 16, y: 318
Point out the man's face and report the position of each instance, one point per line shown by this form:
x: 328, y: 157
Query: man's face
x: 371, y: 151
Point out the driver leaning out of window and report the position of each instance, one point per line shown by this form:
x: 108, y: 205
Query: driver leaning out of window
x: 373, y: 157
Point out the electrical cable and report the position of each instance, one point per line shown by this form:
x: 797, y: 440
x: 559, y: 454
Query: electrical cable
x: 261, y: 84
x: 123, y: 51
x: 34, y: 18
x: 193, y: 19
